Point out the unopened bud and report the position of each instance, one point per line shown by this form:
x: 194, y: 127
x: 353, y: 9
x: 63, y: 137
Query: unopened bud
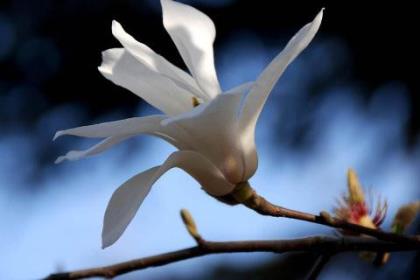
x: 190, y: 224
x: 356, y: 194
x: 405, y: 216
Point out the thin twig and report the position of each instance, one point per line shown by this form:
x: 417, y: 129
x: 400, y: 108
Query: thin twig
x: 323, y: 244
x: 264, y: 207
x: 319, y: 264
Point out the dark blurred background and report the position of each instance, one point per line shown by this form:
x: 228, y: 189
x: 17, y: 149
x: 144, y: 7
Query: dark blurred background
x: 363, y: 61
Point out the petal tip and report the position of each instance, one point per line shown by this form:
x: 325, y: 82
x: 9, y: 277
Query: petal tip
x: 109, y: 58
x: 104, y: 70
x: 60, y: 159
x: 320, y: 14
x: 57, y: 134
x: 108, y: 237
x: 115, y: 26
x: 117, y: 29
x: 105, y: 244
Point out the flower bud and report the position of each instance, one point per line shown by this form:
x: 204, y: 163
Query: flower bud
x: 405, y: 216
x: 190, y: 224
x: 356, y: 194
x: 353, y: 207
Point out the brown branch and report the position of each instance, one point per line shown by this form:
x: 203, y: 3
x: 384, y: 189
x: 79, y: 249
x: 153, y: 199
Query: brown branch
x: 264, y: 207
x: 322, y: 244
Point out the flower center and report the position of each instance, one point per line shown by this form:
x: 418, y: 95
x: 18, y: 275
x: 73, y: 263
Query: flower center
x: 195, y: 101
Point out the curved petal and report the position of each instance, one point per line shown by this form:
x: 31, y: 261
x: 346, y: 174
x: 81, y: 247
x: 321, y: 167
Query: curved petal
x: 96, y: 149
x: 248, y: 147
x: 154, y: 61
x: 127, y: 199
x: 201, y: 169
x: 120, y: 67
x: 115, y: 128
x: 124, y: 203
x: 193, y: 34
x: 118, y: 131
x: 266, y: 81
x: 217, y: 122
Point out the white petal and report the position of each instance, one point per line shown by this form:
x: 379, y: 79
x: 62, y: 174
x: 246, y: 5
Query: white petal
x: 98, y: 148
x: 201, y: 169
x: 193, y: 34
x: 232, y: 97
x: 127, y: 199
x: 249, y: 152
x: 123, y: 69
x: 124, y: 204
x: 214, y: 132
x: 114, y: 128
x: 266, y: 81
x: 118, y: 131
x: 154, y: 61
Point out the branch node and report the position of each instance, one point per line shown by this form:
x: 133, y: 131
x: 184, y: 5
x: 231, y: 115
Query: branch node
x: 326, y: 217
x: 243, y: 192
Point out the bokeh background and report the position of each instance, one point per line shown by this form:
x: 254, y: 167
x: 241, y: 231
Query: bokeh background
x: 351, y: 99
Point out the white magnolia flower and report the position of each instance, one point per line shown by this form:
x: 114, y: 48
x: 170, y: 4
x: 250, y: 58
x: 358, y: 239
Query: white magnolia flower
x: 213, y: 131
